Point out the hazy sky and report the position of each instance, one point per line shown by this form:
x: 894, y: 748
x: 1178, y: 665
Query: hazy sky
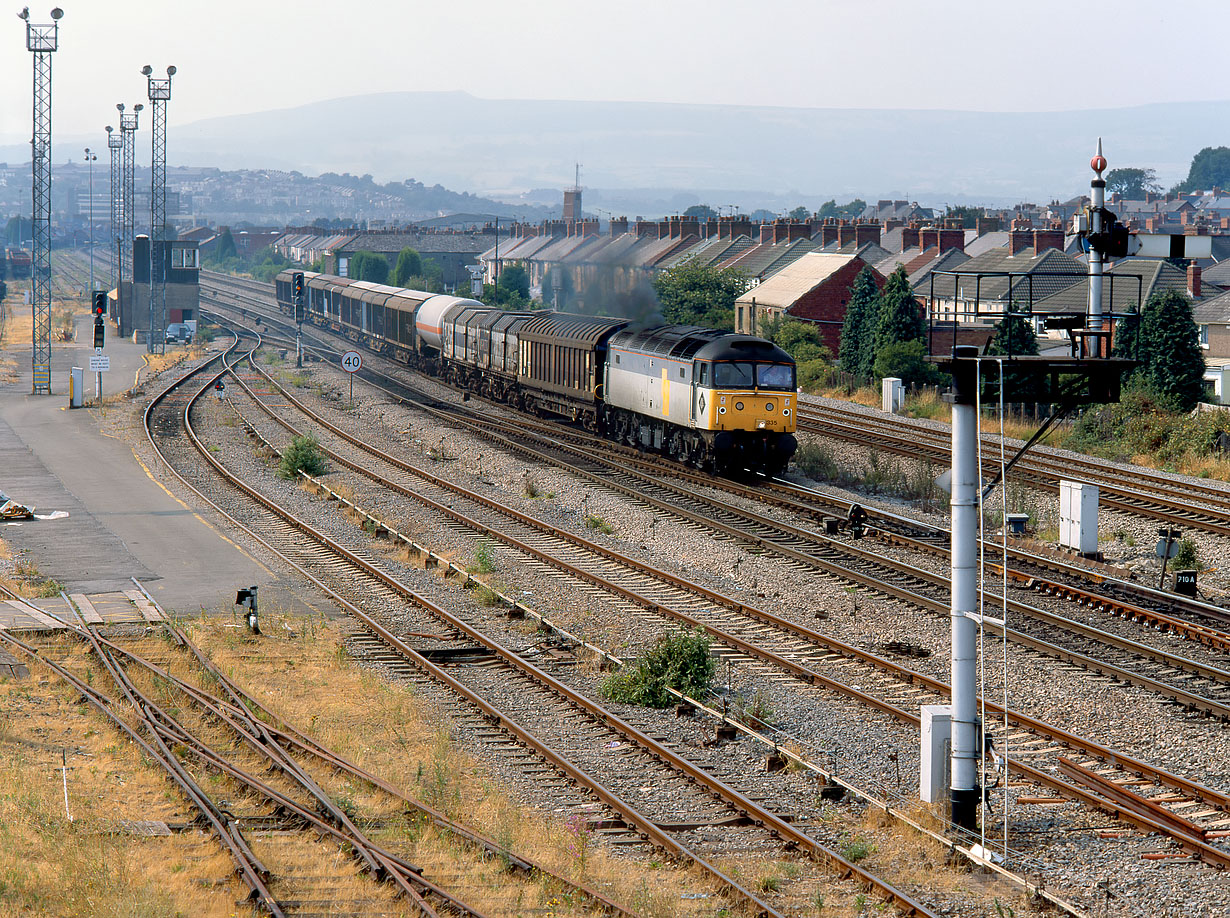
x: 256, y: 55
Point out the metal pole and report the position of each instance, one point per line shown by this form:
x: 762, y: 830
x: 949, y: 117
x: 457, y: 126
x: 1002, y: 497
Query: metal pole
x: 42, y: 41
x: 1098, y: 198
x: 114, y: 145
x: 159, y: 90
x: 90, y: 158
x: 963, y: 786
x: 128, y: 128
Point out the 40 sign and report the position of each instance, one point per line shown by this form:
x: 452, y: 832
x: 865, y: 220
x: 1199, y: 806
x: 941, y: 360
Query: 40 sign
x: 352, y: 361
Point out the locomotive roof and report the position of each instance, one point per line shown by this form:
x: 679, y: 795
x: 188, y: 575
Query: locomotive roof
x: 685, y: 342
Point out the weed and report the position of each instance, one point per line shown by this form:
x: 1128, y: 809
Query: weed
x: 580, y: 839
x: 769, y: 883
x: 855, y: 849
x: 302, y: 454
x: 680, y: 661
x: 599, y: 524
x: 817, y: 462
x: 484, y: 558
x: 529, y: 487
x: 860, y: 902
x: 756, y: 711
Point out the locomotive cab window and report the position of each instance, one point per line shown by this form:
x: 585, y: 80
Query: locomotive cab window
x: 775, y: 376
x: 735, y: 375
x: 702, y: 374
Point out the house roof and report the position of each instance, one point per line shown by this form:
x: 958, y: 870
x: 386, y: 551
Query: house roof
x: 1156, y: 275
x: 804, y: 274
x: 921, y: 268
x: 1213, y: 311
x: 1030, y: 279
x: 986, y: 242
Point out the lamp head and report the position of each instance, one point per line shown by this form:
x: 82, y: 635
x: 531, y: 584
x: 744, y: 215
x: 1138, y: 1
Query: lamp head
x: 110, y: 129
x: 57, y: 13
x: 147, y: 70
x: 119, y: 105
x: 171, y: 70
x: 87, y: 151
x: 138, y: 107
x: 24, y: 14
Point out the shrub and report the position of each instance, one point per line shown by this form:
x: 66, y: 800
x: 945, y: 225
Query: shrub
x: 680, y: 661
x: 303, y: 454
x: 1186, y: 559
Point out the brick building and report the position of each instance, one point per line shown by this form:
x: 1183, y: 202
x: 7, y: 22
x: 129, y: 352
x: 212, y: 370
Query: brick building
x: 815, y: 288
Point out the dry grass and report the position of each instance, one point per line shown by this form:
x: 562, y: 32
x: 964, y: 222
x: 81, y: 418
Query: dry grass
x: 51, y: 866
x: 389, y: 731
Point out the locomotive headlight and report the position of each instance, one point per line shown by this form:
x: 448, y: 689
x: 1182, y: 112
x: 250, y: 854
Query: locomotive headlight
x: 738, y: 406
x: 786, y: 412
x: 722, y: 410
x: 760, y: 425
x: 768, y: 406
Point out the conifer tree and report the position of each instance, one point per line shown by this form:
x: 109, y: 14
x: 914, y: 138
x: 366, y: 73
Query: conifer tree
x: 857, y: 329
x: 1169, y: 348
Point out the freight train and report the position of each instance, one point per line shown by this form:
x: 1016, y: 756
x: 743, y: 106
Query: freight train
x: 717, y: 401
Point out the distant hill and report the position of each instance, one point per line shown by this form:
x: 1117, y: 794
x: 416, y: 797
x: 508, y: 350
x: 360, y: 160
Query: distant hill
x: 489, y: 146
x: 501, y: 148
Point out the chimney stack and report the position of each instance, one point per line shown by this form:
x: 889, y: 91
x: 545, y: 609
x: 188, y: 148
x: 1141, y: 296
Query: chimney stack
x: 1020, y: 240
x: 865, y: 233
x: 1193, y: 280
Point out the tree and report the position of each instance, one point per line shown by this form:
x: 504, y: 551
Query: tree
x: 831, y: 208
x: 966, y: 214
x: 900, y: 317
x: 1172, y: 364
x: 515, y: 281
x: 800, y: 213
x: 801, y: 340
x: 409, y: 264
x: 18, y: 230
x: 906, y: 360
x: 856, y: 338
x: 693, y: 293
x: 225, y: 246
x: 1210, y: 168
x: 1132, y: 183
x: 1014, y: 335
x: 368, y: 266
x: 701, y: 211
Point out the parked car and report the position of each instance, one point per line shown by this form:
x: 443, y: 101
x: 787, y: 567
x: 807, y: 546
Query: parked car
x: 179, y: 332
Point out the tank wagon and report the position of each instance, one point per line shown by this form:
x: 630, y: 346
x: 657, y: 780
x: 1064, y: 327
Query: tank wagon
x: 717, y: 401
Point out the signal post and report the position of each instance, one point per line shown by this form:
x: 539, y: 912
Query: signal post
x: 296, y: 290
x: 98, y: 361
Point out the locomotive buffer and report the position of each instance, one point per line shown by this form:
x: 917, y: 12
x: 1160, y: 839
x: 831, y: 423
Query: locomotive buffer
x: 1086, y: 375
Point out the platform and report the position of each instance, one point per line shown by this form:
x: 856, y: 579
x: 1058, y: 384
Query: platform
x: 52, y: 614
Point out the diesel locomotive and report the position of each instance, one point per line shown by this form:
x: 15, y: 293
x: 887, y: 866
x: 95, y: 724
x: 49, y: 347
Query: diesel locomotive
x: 717, y: 401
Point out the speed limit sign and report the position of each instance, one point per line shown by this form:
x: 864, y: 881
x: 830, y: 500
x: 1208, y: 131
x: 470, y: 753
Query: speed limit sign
x: 352, y: 361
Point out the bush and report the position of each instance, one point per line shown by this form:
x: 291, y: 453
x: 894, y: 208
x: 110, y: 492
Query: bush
x: 680, y: 661
x: 1186, y: 559
x: 303, y: 454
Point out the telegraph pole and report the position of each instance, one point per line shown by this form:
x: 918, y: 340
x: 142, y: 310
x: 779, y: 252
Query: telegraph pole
x: 42, y: 41
x: 159, y: 95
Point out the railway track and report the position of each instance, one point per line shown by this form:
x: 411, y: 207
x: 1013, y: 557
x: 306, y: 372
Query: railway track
x: 1193, y: 619
x: 732, y: 628
x: 1139, y: 491
x: 338, y: 569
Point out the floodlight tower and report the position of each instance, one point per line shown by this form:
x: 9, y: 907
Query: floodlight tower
x: 114, y: 144
x: 128, y: 128
x: 90, y: 159
x: 159, y: 95
x: 42, y: 41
